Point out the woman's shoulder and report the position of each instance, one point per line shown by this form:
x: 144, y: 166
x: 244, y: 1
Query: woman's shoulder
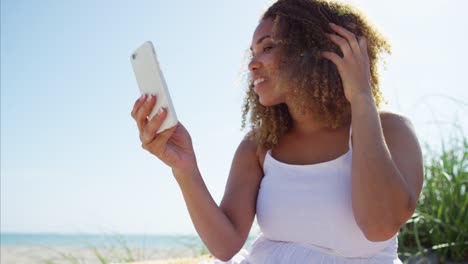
x: 398, y: 131
x: 251, y: 145
x: 393, y: 121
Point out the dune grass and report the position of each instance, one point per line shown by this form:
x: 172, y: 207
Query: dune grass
x: 113, y: 257
x: 439, y: 225
x: 121, y: 252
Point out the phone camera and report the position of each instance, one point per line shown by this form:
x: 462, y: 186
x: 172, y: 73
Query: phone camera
x: 133, y: 55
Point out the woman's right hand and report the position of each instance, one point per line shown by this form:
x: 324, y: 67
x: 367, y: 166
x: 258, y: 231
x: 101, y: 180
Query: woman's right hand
x: 172, y: 146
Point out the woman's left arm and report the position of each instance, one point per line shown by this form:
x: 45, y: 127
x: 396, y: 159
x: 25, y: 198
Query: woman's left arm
x: 387, y: 169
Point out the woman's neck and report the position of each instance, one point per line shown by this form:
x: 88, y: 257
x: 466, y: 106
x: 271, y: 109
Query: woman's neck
x: 306, y: 124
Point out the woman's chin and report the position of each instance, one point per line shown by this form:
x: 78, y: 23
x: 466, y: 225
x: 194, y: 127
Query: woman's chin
x: 268, y: 102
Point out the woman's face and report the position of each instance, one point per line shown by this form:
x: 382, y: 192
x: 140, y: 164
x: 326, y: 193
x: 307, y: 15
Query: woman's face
x: 264, y: 66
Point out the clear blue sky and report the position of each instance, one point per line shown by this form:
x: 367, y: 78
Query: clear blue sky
x: 71, y: 159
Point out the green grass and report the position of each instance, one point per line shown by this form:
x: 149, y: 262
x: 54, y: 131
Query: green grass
x: 119, y: 252
x: 439, y: 225
x: 101, y: 255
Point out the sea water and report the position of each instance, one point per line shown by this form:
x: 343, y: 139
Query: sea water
x: 104, y: 240
x: 101, y: 240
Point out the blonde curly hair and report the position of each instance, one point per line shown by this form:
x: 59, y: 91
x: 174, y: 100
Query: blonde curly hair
x: 299, y: 26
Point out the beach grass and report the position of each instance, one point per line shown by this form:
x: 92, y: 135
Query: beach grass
x: 110, y: 256
x: 439, y: 226
x: 193, y: 260
x: 121, y: 252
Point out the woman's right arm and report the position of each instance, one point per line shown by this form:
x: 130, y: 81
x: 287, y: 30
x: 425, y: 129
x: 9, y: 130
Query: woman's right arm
x: 223, y: 229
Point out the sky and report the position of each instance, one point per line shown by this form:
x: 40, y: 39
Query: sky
x: 71, y: 159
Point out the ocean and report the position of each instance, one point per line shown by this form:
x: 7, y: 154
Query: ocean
x: 104, y: 240
x: 101, y: 240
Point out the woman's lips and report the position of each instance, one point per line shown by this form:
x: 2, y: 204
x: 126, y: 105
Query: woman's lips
x: 258, y: 85
x: 258, y: 81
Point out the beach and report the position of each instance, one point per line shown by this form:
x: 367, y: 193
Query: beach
x: 13, y: 254
x: 83, y: 248
x: 50, y: 248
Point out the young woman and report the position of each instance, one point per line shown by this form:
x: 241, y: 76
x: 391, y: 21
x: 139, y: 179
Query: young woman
x: 330, y: 178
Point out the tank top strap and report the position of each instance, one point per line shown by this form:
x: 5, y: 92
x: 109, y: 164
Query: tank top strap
x: 350, y: 135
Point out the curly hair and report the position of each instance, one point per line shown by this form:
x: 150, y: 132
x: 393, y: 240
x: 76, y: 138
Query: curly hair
x: 300, y: 26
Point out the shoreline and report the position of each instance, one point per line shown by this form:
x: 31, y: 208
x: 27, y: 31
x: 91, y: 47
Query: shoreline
x: 16, y: 254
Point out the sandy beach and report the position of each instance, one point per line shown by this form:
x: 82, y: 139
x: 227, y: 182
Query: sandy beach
x: 62, y: 255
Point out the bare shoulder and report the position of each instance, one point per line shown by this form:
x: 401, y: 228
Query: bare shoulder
x: 392, y: 120
x: 397, y: 126
x: 399, y: 132
x: 246, y: 170
x: 250, y: 145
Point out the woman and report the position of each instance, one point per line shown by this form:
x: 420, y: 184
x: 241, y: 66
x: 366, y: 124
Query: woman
x: 329, y: 176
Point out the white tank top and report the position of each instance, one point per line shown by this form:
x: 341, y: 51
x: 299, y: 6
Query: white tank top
x: 305, y: 213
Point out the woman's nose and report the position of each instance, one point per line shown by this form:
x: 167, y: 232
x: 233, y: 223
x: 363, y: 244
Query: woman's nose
x: 253, y: 65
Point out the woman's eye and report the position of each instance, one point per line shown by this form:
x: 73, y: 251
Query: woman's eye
x: 267, y: 48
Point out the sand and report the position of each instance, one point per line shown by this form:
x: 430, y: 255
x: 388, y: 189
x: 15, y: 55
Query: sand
x: 77, y: 255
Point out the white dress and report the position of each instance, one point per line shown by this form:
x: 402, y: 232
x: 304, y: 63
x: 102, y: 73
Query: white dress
x: 305, y: 216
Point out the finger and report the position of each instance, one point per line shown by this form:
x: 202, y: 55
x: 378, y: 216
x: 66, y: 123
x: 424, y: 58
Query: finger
x: 149, y: 132
x: 144, y: 111
x: 335, y: 58
x: 163, y: 137
x: 342, y: 43
x: 137, y: 105
x: 363, y: 46
x: 348, y: 35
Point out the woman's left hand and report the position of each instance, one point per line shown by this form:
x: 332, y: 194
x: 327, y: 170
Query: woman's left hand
x: 353, y: 67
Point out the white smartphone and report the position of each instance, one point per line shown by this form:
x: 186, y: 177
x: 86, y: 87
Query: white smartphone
x: 151, y: 82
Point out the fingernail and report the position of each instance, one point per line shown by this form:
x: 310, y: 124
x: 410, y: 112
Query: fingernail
x: 160, y: 111
x: 332, y: 24
x: 149, y: 98
x: 141, y: 98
